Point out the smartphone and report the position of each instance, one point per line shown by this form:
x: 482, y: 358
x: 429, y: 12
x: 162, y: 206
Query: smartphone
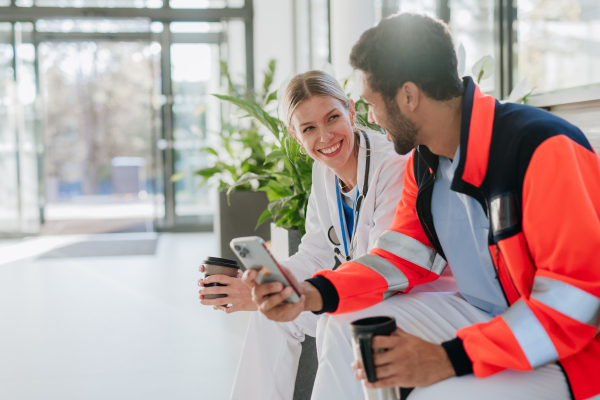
x: 253, y: 253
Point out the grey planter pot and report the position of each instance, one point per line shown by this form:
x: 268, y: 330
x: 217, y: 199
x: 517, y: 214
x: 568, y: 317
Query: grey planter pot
x: 284, y: 242
x: 239, y: 217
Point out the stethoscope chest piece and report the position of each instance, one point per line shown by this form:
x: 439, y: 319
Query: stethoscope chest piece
x: 333, y: 236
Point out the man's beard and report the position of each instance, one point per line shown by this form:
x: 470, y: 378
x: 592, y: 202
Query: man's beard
x: 400, y: 128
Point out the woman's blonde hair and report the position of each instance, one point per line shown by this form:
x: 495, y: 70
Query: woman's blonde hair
x: 304, y: 86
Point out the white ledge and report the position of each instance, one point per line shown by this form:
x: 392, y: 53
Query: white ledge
x: 565, y: 96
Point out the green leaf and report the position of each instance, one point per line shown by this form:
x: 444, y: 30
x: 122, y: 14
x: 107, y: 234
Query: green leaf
x: 264, y: 217
x: 177, y: 177
x: 272, y: 96
x: 209, y: 172
x: 210, y: 150
x: 246, y: 178
x: 255, y: 111
x: 275, y: 155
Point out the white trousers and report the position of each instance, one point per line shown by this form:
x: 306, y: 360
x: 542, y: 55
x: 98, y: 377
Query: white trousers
x: 269, y: 362
x: 434, y: 317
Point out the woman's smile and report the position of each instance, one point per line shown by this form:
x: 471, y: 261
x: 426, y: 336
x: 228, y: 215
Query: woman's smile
x: 332, y: 150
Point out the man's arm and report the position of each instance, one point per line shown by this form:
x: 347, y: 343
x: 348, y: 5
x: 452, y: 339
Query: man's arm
x: 401, y: 258
x: 559, y: 316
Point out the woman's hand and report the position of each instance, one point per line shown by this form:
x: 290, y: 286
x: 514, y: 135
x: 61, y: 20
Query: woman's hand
x: 239, y: 295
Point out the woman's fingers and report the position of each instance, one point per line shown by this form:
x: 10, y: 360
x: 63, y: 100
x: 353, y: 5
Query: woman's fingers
x: 214, y: 290
x: 213, y: 302
x: 232, y: 309
x: 201, y: 269
x: 223, y: 279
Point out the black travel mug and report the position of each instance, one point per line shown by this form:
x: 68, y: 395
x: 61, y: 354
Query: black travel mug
x: 363, y: 331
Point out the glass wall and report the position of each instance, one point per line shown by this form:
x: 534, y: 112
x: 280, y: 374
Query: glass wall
x: 472, y: 24
x: 28, y: 119
x: 312, y: 34
x: 91, y: 3
x: 121, y: 104
x: 9, y: 195
x: 98, y: 129
x: 206, y: 3
x: 195, y: 75
x: 558, y: 44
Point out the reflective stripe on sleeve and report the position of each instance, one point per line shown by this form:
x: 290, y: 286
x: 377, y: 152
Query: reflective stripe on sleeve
x: 567, y: 299
x: 396, y: 280
x: 411, y: 250
x: 530, y: 334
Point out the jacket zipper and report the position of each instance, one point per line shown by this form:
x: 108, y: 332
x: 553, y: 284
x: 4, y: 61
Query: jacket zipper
x: 506, y: 281
x: 502, y: 274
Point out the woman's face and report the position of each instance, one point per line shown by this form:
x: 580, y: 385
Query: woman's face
x: 325, y: 128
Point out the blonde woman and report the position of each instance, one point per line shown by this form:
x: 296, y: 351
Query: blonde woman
x: 357, y: 182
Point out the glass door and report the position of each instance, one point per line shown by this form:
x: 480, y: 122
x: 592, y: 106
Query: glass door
x: 19, y: 131
x: 195, y: 52
x: 98, y: 91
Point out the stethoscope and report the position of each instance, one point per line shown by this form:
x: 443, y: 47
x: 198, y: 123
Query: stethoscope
x: 360, y: 196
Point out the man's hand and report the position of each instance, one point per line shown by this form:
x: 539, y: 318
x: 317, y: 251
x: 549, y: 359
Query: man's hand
x: 408, y: 362
x: 239, y: 295
x: 269, y: 297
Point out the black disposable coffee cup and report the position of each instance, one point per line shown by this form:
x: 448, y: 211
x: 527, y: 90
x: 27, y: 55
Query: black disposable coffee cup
x: 219, y: 266
x: 363, y: 331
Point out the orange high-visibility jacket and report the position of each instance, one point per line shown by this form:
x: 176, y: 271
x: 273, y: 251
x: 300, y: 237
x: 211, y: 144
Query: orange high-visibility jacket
x: 538, y: 179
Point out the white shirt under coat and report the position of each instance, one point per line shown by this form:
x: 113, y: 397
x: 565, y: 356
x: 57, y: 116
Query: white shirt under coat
x: 386, y: 175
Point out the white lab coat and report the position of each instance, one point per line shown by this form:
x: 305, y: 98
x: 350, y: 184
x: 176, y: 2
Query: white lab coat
x: 269, y: 360
x: 386, y: 175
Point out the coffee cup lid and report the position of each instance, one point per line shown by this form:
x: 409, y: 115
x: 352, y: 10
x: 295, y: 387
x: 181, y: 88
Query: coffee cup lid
x: 223, y: 262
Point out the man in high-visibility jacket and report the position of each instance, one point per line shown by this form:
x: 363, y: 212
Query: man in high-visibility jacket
x: 508, y: 196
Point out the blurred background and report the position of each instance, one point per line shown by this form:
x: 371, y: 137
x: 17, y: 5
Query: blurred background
x: 106, y: 111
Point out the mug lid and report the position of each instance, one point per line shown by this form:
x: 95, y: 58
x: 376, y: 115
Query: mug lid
x: 223, y: 262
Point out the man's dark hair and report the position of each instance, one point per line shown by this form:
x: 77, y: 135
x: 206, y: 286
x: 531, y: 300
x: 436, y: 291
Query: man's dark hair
x: 409, y: 47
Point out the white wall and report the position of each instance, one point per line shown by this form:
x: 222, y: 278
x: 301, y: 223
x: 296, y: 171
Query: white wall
x: 349, y: 19
x: 274, y: 34
x: 273, y: 38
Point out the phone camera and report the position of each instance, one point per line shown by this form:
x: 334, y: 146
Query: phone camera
x: 243, y: 252
x: 237, y: 247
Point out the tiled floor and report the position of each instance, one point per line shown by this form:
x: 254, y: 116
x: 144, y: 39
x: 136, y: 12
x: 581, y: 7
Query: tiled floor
x: 112, y: 328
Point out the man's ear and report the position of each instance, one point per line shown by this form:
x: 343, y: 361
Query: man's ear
x: 408, y: 97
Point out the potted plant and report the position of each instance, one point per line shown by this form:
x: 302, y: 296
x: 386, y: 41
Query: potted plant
x: 287, y: 181
x: 242, y: 150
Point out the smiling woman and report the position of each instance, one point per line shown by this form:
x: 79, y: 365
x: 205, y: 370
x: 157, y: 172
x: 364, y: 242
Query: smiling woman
x: 322, y: 119
x: 356, y: 185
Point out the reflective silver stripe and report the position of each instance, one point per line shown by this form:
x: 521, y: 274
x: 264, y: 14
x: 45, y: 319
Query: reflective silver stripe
x: 396, y: 280
x: 567, y: 299
x: 411, y: 250
x: 439, y: 264
x: 530, y: 334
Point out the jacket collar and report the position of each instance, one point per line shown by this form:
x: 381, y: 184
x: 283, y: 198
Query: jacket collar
x: 475, y: 138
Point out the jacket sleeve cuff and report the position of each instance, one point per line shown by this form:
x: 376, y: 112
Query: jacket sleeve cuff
x: 328, y: 292
x: 459, y: 359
